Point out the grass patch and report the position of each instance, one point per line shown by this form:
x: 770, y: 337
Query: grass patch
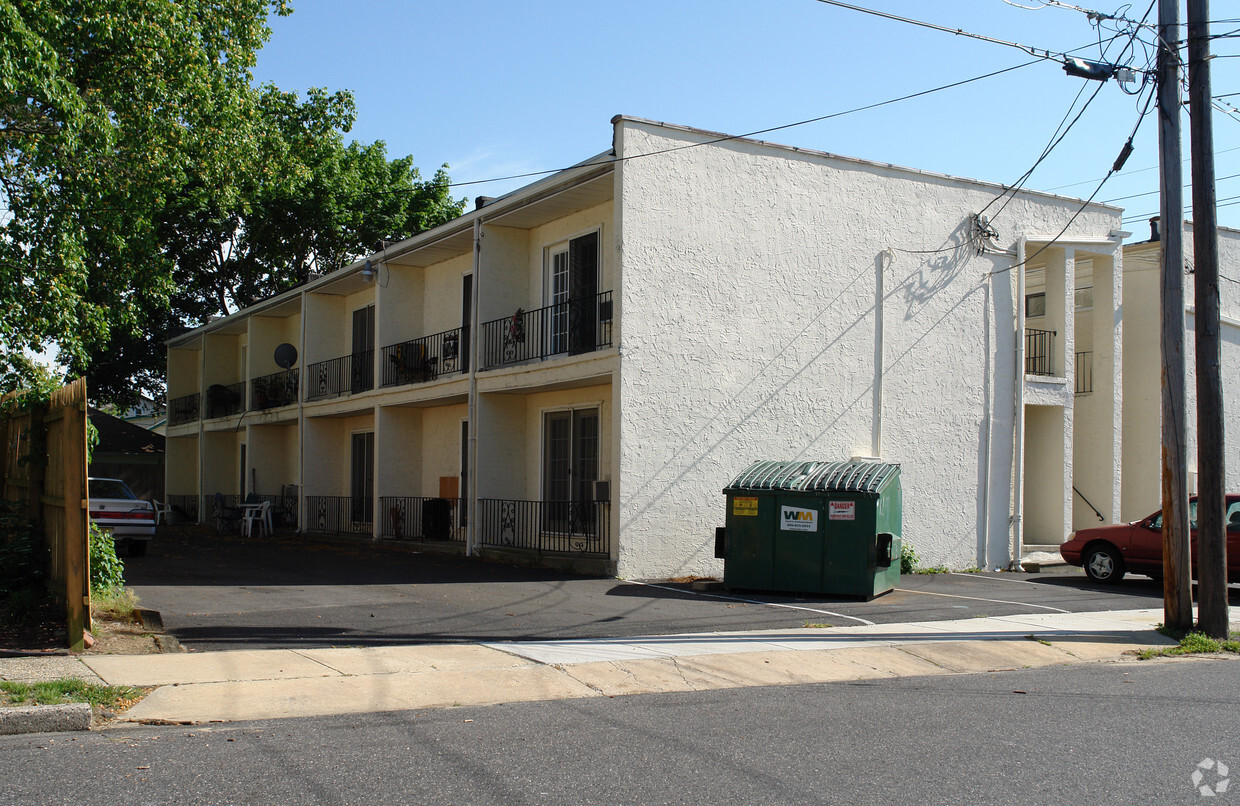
x: 933, y: 569
x: 816, y: 625
x: 117, y: 604
x: 59, y: 692
x: 1193, y: 643
x: 1039, y: 640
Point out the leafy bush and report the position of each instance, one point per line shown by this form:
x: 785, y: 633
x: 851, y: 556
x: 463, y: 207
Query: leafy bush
x: 107, y: 572
x: 908, y: 559
x: 24, y: 562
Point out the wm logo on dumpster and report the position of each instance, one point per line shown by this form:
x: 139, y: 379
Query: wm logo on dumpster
x: 793, y: 519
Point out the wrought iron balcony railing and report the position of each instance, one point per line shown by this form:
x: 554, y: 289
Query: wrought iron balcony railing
x: 425, y: 359
x: 339, y: 514
x: 347, y: 375
x: 577, y: 326
x: 413, y: 518
x: 271, y: 391
x: 564, y: 526
x: 184, y: 409
x: 1084, y: 372
x: 225, y: 400
x: 1039, y: 347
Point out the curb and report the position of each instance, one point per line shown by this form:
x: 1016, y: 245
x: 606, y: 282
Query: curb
x: 44, y: 718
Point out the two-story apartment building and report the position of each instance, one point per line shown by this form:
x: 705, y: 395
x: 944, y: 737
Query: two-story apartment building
x: 576, y: 369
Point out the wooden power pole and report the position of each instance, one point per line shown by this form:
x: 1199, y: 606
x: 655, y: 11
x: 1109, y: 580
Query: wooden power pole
x: 1177, y: 585
x: 1211, y: 479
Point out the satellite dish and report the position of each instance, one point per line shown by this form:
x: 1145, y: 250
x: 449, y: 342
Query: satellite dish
x: 286, y: 355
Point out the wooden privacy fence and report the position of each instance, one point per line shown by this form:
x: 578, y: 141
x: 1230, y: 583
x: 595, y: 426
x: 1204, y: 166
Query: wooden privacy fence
x: 45, y: 467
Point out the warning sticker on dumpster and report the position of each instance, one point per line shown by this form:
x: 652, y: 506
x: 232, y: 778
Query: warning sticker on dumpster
x: 792, y: 519
x: 744, y: 506
x: 842, y: 510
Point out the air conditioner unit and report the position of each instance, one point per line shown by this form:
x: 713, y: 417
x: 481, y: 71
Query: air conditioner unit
x: 289, y: 491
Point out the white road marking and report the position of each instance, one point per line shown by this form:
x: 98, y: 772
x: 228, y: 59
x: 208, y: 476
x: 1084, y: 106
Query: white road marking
x: 979, y: 599
x: 750, y: 601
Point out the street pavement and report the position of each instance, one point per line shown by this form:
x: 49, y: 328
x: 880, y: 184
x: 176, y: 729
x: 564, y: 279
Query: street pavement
x: 226, y: 592
x: 203, y: 687
x: 1148, y: 732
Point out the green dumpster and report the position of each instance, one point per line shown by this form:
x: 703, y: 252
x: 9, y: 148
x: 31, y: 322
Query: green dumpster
x: 814, y: 527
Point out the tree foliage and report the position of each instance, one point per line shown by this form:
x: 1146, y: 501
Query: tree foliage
x: 147, y: 184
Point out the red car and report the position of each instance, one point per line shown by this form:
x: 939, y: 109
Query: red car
x: 1107, y: 552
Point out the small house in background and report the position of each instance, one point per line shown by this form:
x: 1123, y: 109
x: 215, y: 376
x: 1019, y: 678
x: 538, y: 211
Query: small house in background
x: 128, y: 452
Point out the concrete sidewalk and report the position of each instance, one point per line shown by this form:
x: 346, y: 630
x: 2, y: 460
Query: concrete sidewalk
x: 269, y: 684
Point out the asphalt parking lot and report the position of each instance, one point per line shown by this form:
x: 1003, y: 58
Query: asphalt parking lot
x: 229, y: 592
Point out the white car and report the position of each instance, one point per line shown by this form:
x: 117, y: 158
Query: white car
x: 115, y: 509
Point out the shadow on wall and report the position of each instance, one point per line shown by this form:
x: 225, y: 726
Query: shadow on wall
x: 924, y: 282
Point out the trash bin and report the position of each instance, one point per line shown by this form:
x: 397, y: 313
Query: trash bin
x: 813, y: 527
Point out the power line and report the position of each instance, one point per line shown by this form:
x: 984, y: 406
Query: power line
x: 1155, y: 192
x: 1058, y: 137
x: 888, y: 102
x: 1231, y: 200
x: 1041, y: 53
x: 1087, y: 202
x: 1130, y: 173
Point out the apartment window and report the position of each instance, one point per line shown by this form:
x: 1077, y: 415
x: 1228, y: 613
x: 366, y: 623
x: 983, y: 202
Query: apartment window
x: 571, y: 289
x: 1085, y: 298
x: 570, y: 464
x: 1035, y: 305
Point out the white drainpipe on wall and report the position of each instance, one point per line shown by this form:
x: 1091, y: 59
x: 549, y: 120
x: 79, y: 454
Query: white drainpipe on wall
x: 876, y: 436
x: 1019, y: 421
x: 301, y: 421
x: 475, y: 336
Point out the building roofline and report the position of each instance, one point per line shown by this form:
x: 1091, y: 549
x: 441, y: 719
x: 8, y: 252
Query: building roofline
x: 722, y: 137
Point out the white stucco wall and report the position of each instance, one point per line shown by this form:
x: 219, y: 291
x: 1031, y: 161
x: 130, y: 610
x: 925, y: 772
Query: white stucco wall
x: 1142, y: 492
x: 441, y: 446
x: 273, y: 456
x: 748, y: 293
x: 443, y: 291
x: 181, y: 461
x: 267, y: 333
x: 183, y: 366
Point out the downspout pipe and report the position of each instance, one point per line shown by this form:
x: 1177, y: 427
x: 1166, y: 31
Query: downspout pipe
x: 471, y: 531
x: 1018, y: 489
x: 301, y: 423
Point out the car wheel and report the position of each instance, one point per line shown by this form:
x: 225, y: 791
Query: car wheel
x: 137, y: 548
x: 1103, y: 564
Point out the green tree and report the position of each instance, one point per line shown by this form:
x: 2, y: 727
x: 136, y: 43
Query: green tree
x: 146, y: 184
x: 105, y: 108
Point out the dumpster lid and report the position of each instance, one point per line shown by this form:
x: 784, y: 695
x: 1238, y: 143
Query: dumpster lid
x: 853, y: 476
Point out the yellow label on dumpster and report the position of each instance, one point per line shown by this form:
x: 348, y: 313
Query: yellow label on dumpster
x: 745, y: 506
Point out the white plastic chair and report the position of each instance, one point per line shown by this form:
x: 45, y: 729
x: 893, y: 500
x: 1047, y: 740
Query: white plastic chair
x: 162, y: 511
x: 257, y: 514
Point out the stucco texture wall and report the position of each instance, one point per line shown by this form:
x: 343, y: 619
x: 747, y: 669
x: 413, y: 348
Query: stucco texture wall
x: 749, y: 277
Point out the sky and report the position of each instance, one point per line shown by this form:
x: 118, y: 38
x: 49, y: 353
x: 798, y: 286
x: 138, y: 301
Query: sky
x: 494, y: 89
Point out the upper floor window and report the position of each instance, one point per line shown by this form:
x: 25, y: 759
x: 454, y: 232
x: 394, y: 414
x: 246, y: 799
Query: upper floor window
x: 1085, y: 298
x: 1035, y: 305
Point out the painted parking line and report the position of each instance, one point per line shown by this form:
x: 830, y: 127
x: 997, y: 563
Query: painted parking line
x: 980, y: 599
x: 996, y: 579
x: 750, y: 601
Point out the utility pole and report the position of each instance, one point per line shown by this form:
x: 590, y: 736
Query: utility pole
x: 1177, y: 586
x: 1211, y: 493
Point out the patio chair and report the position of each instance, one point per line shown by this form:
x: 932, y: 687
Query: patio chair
x: 163, y: 511
x: 227, y: 519
x: 260, y: 514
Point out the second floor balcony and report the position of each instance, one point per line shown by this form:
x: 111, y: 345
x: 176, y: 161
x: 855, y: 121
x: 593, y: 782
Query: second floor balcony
x: 425, y: 359
x: 184, y: 409
x: 272, y: 391
x: 347, y: 375
x: 1039, y: 350
x: 572, y: 327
